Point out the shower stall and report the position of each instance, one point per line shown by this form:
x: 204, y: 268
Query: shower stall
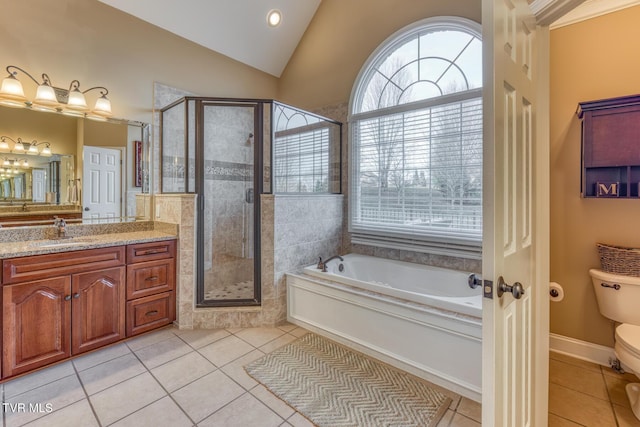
x: 222, y: 149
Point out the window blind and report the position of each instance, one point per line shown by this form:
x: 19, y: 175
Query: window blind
x: 417, y: 177
x: 301, y: 161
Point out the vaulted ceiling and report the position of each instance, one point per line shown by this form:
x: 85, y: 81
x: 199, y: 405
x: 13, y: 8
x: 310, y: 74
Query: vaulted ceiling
x: 235, y: 28
x: 239, y: 30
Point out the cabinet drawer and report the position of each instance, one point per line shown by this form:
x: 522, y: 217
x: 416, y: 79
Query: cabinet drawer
x: 36, y: 267
x: 151, y: 251
x: 149, y: 278
x: 147, y: 313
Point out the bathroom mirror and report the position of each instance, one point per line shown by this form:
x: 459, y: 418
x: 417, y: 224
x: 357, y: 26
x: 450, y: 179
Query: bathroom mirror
x: 98, y: 168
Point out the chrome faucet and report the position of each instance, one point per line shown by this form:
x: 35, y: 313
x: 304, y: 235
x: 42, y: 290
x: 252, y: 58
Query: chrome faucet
x: 322, y: 265
x: 61, y: 227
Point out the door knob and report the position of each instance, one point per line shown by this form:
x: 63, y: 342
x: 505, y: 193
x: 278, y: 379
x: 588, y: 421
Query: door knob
x: 517, y: 289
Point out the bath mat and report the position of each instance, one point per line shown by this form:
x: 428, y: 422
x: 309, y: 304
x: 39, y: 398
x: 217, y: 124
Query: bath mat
x: 334, y: 386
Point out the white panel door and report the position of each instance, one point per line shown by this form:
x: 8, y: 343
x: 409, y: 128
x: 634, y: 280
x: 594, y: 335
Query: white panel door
x: 515, y: 324
x: 101, y: 197
x: 38, y: 185
x: 18, y: 186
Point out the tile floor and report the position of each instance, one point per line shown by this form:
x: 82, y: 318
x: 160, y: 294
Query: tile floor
x: 186, y: 378
x: 586, y: 394
x: 169, y: 378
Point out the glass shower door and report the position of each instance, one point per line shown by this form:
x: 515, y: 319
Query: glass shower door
x: 228, y: 213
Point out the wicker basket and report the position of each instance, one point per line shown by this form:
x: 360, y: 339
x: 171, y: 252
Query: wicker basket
x: 619, y: 260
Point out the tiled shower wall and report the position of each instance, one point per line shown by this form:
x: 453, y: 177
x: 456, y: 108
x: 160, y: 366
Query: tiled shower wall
x: 180, y: 209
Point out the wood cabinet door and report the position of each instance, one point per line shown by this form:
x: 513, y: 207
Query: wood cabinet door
x: 98, y: 308
x: 36, y: 324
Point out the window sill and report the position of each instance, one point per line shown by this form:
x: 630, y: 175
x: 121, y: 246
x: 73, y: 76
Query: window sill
x: 459, y: 250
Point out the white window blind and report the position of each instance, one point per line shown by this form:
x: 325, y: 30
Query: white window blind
x: 416, y: 141
x: 301, y: 161
x: 418, y: 176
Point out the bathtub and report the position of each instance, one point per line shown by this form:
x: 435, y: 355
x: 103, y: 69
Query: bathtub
x: 422, y: 319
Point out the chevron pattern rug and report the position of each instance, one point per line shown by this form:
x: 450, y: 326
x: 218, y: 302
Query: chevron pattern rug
x: 334, y: 386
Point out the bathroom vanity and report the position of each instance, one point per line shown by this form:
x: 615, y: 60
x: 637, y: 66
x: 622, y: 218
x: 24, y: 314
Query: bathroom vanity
x: 64, y: 298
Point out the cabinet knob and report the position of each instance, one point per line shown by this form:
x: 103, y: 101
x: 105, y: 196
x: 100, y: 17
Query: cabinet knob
x: 151, y: 278
x: 76, y: 295
x: 151, y: 313
x: 67, y: 298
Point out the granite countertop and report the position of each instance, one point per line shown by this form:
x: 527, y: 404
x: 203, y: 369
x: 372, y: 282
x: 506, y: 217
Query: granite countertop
x: 38, y: 247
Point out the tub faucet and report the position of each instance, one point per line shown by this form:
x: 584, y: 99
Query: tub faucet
x: 323, y: 265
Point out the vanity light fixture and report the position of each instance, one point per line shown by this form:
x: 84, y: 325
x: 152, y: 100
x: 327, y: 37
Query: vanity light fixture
x: 34, y: 147
x: 51, y: 98
x: 274, y: 18
x: 13, y: 163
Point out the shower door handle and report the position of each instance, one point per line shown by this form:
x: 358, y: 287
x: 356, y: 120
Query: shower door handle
x: 249, y: 195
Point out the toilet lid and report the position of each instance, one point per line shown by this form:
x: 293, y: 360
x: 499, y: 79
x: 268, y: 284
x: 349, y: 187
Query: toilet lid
x: 629, y: 336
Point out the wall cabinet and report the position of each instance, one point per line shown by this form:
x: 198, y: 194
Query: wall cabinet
x: 61, y: 305
x: 610, y: 147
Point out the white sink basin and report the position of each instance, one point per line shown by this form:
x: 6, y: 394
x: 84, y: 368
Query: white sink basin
x: 60, y: 243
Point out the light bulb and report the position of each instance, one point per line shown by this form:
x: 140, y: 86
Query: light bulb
x: 11, y: 89
x: 103, y: 106
x: 46, y: 96
x: 274, y: 18
x: 77, y: 101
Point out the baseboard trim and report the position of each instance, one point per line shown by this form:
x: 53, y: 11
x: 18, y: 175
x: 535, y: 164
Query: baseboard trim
x: 584, y: 350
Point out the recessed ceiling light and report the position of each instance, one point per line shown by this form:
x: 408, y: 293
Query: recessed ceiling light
x: 274, y: 17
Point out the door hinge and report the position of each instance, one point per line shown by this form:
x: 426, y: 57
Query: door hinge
x: 487, y: 289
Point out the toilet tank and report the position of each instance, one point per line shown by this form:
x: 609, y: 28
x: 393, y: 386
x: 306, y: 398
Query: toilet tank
x: 618, y: 296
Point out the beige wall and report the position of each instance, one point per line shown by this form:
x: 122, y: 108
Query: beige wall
x: 59, y: 130
x: 341, y: 37
x: 591, y: 60
x: 101, y: 46
x: 102, y: 134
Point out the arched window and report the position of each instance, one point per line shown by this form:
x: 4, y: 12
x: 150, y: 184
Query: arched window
x: 416, y: 141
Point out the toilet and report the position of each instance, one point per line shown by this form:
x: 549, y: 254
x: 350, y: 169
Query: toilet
x: 619, y: 299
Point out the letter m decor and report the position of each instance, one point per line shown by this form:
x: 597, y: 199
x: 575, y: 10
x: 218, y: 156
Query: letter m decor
x: 607, y: 189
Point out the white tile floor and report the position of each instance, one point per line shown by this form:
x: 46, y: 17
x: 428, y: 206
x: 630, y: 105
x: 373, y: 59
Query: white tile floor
x: 169, y: 378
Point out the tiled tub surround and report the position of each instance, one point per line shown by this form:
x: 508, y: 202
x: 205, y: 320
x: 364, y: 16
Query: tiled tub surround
x: 305, y: 227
